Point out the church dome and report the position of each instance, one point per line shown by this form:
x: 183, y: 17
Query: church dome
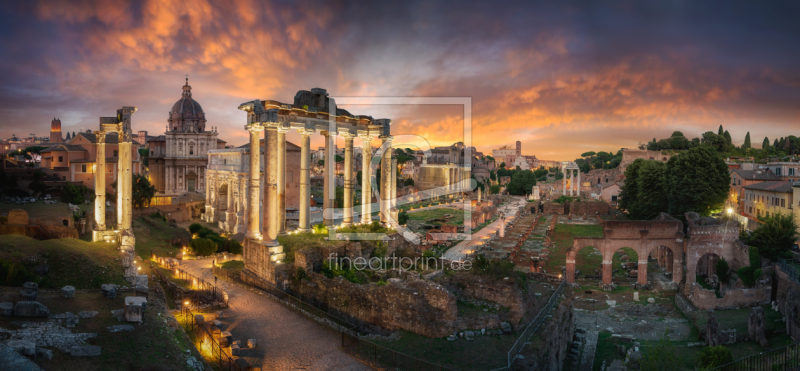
x: 186, y: 114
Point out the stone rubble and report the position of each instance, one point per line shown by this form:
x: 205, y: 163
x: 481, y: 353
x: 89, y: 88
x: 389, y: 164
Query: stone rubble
x: 48, y: 334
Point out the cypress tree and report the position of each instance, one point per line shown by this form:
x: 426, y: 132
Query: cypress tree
x: 765, y: 144
x: 747, y: 140
x: 728, y: 139
x: 720, y: 133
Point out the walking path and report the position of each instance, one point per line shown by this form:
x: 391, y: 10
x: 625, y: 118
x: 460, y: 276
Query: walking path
x: 510, y: 209
x: 286, y: 340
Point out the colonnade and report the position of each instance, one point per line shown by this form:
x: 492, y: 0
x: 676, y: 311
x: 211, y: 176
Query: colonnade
x: 571, y: 168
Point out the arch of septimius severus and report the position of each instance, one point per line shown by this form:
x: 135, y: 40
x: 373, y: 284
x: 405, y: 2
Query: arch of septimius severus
x: 312, y: 112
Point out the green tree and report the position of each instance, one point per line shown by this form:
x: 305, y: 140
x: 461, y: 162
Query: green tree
x: 145, y: 155
x: 521, y: 182
x: 408, y: 182
x: 727, y: 136
x: 715, y: 141
x: 494, y: 189
x: 720, y: 132
x: 746, y: 141
x: 502, y: 165
x: 765, y: 144
x: 652, y: 196
x: 203, y: 246
x: 195, y: 227
x: 588, y: 154
x: 775, y: 236
x: 661, y: 356
x: 696, y: 180
x: 74, y: 194
x: 143, y: 191
x: 629, y: 192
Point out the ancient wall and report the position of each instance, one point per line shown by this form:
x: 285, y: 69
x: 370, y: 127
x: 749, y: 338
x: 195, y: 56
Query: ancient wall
x: 588, y: 208
x: 713, y: 236
x: 548, y: 350
x: 18, y: 216
x: 554, y: 208
x: 503, y: 292
x: 431, y: 177
x: 731, y: 299
x: 418, y: 306
x: 788, y: 301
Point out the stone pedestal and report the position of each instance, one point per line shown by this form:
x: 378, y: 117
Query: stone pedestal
x: 7, y: 309
x: 109, y: 290
x: 68, y: 292
x: 30, y: 309
x: 135, y: 307
x: 263, y: 261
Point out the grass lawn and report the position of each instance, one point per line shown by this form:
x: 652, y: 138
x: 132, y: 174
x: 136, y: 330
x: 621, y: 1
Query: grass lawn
x: 155, y: 240
x: 150, y: 346
x: 456, y: 217
x: 82, y: 264
x: 483, y: 353
x: 233, y: 265
x: 563, y: 237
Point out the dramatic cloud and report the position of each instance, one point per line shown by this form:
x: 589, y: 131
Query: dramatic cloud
x: 561, y: 78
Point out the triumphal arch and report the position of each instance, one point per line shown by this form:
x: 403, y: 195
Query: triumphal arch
x: 312, y: 112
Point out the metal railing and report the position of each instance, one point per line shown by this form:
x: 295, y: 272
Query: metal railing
x: 791, y: 268
x: 780, y: 359
x: 208, y: 344
x: 534, y: 325
x: 382, y: 358
x: 198, y: 285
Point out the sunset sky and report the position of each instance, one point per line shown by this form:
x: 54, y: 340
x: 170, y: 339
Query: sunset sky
x: 562, y: 77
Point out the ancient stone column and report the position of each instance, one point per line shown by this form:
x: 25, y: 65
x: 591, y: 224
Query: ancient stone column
x: 282, y: 179
x: 305, y: 176
x: 100, y: 182
x: 366, y: 181
x: 230, y: 214
x: 386, y: 164
x: 564, y: 189
x: 328, y: 181
x: 269, y: 229
x: 677, y: 271
x: 578, y: 185
x: 642, y: 272
x: 607, y: 271
x: 570, y: 270
x: 393, y: 191
x: 348, y: 179
x: 253, y: 225
x: 124, y: 183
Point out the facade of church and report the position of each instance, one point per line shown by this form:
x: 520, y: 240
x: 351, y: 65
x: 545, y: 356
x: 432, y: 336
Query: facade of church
x: 178, y: 159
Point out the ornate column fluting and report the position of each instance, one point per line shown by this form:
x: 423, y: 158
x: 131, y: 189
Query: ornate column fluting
x: 230, y: 214
x: 269, y: 230
x: 100, y: 182
x: 124, y: 183
x: 366, y: 181
x: 349, y: 185
x: 282, y: 179
x: 393, y: 191
x: 253, y: 225
x: 305, y: 177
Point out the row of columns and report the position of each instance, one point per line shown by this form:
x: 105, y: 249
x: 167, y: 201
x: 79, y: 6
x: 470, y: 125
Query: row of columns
x: 275, y: 182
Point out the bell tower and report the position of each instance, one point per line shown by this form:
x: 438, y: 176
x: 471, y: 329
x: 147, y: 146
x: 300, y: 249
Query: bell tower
x: 55, y: 131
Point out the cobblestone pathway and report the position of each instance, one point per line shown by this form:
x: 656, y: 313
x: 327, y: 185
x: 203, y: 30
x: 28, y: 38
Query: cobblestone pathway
x: 286, y: 340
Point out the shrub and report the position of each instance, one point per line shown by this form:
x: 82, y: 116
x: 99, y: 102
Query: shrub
x: 203, y: 246
x: 12, y: 274
x: 320, y: 229
x: 234, y: 247
x: 158, y: 216
x: 3, y: 219
x: 402, y: 218
x: 723, y: 270
x: 195, y: 227
x: 716, y: 356
x: 205, y: 232
x: 747, y: 276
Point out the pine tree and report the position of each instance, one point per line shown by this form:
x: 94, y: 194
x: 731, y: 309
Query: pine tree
x: 747, y: 141
x: 727, y: 136
x: 720, y: 131
x: 765, y: 144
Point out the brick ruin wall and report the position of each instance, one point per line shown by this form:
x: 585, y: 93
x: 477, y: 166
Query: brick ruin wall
x: 588, y: 208
x: 549, y: 350
x: 42, y: 228
x: 554, y: 208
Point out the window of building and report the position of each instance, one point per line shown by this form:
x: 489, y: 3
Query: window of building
x: 116, y: 153
x: 783, y: 202
x: 60, y: 158
x: 791, y: 171
x: 83, y: 168
x: 740, y: 182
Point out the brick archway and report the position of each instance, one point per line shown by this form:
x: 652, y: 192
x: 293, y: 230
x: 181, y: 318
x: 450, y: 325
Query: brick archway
x: 641, y: 236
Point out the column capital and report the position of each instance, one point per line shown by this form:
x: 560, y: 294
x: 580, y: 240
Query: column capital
x: 283, y: 129
x: 101, y: 136
x: 366, y: 137
x: 306, y: 131
x: 254, y: 127
x: 328, y: 133
x: 348, y: 135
